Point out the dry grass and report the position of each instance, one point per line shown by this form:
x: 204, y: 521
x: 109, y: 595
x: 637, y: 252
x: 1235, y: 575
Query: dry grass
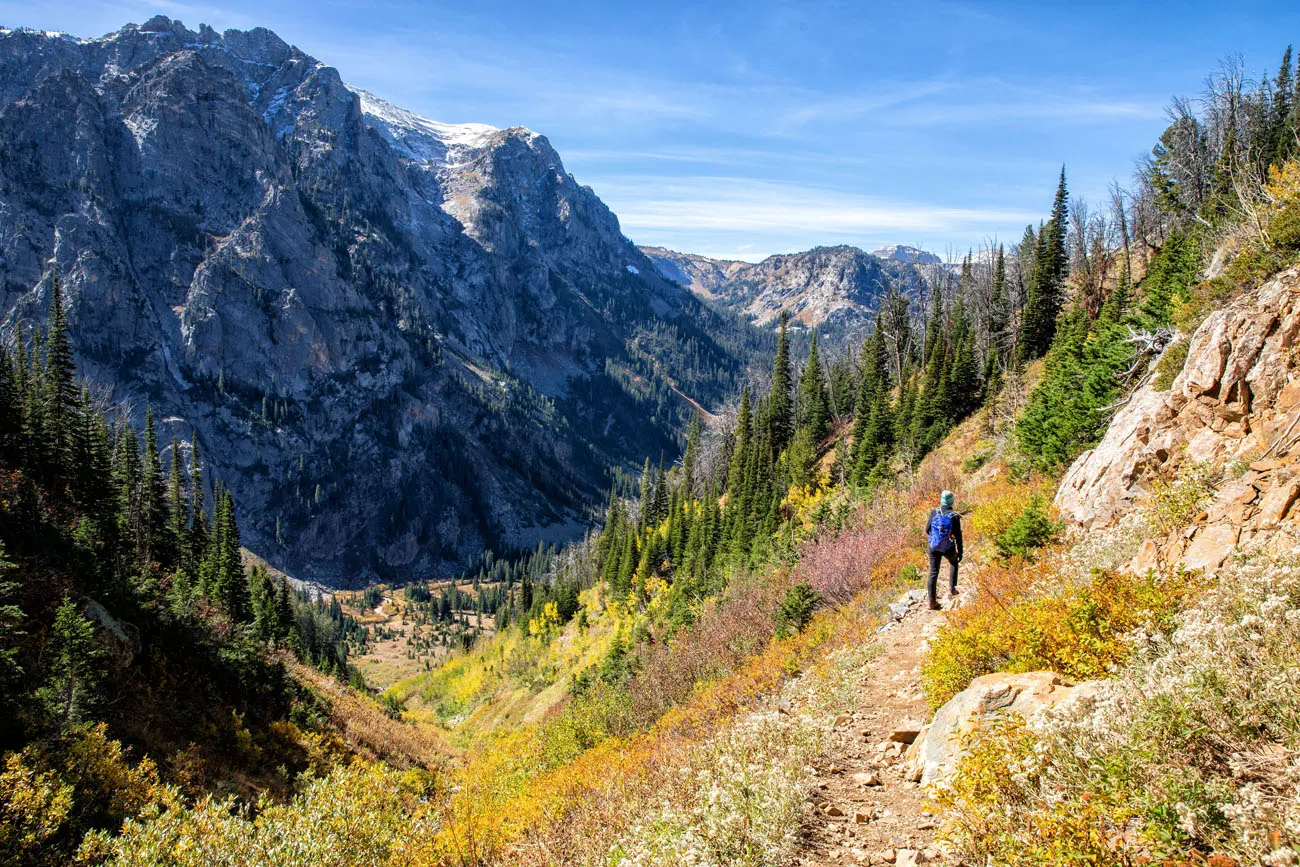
x: 367, y: 732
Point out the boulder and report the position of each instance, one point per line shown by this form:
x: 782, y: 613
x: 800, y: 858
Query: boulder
x: 120, y: 639
x: 937, y: 752
x: 1211, y: 547
x: 1275, y: 505
x: 906, y: 731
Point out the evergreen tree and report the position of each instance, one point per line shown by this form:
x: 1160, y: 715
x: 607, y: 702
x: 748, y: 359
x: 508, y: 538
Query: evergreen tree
x: 199, y: 530
x: 179, y: 511
x: 740, y: 450
x: 1065, y: 413
x: 153, y: 494
x: 70, y: 660
x: 1282, y: 129
x: 1046, y: 291
x: 999, y: 309
x: 814, y: 404
x: 61, y: 397
x: 647, y: 488
x: 659, y: 502
x: 780, y: 411
x: 693, y: 436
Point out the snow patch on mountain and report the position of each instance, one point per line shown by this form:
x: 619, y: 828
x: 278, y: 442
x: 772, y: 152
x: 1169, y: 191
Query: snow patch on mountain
x: 411, y: 132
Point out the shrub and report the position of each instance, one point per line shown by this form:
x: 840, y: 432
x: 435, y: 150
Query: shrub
x: 1190, y: 312
x: 795, y: 610
x: 391, y: 705
x: 1176, y: 499
x: 1032, y: 529
x: 743, y: 798
x: 977, y: 460
x: 1170, y: 364
x: 359, y: 814
x: 996, y: 506
x: 1193, y: 748
x: 839, y: 564
x: 33, y: 807
x: 1077, y: 631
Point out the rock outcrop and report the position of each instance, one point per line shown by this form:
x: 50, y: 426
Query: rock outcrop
x: 1233, y: 411
x: 398, y: 341
x: 937, y: 750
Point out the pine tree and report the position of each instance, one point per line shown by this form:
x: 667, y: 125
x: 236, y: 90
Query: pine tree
x: 70, y: 693
x: 647, y: 488
x: 179, y: 511
x: 999, y: 309
x: 693, y: 437
x: 199, y: 530
x: 61, y: 397
x: 1046, y: 291
x: 814, y: 404
x: 153, y: 494
x: 1281, y: 134
x: 740, y: 450
x: 780, y: 411
x: 964, y: 387
x: 659, y: 502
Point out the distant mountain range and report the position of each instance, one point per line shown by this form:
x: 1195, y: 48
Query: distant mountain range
x: 396, y: 340
x: 830, y: 288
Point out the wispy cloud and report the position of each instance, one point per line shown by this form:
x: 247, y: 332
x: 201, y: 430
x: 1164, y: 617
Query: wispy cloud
x: 725, y: 209
x: 746, y: 204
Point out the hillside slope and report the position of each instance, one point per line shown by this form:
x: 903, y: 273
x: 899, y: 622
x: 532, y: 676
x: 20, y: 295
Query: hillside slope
x: 320, y: 285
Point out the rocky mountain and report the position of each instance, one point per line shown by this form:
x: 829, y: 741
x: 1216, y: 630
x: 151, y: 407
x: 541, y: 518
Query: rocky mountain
x: 396, y: 340
x: 910, y: 255
x: 832, y: 288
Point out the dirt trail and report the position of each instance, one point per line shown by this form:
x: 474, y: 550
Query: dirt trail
x: 861, y: 809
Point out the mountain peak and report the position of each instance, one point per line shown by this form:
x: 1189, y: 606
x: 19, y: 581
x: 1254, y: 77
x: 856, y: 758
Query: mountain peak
x: 903, y: 253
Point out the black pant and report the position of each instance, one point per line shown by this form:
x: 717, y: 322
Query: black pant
x: 935, y: 557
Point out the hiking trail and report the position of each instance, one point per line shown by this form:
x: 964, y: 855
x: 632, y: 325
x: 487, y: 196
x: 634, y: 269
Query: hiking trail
x: 861, y: 808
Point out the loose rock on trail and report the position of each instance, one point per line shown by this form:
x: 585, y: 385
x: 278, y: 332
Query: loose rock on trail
x: 864, y: 807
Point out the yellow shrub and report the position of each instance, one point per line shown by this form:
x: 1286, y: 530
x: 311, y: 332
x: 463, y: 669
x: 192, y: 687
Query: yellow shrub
x: 996, y: 506
x: 33, y: 806
x: 1022, y: 623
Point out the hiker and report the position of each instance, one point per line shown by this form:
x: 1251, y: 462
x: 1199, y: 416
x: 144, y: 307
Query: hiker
x: 943, y: 542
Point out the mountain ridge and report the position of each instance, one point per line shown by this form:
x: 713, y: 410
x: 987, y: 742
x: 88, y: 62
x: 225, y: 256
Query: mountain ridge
x: 832, y: 287
x: 308, y: 279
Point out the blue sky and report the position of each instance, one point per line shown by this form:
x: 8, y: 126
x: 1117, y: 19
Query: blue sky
x: 745, y: 129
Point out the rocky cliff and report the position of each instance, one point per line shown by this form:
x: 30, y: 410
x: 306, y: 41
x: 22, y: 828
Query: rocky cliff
x: 396, y: 340
x: 1230, y: 418
x: 826, y: 287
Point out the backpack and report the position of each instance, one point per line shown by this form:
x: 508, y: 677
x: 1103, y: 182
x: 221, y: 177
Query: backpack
x: 941, y: 531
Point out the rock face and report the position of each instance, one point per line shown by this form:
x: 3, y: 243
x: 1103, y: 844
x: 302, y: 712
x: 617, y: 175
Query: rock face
x: 826, y: 287
x: 936, y: 751
x: 903, y: 253
x: 396, y: 340
x: 1233, y: 409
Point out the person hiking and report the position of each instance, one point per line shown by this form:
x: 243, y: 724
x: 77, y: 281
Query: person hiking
x: 943, y: 542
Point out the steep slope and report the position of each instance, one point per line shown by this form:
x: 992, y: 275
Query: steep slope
x: 826, y: 287
x: 1227, y: 420
x: 396, y: 340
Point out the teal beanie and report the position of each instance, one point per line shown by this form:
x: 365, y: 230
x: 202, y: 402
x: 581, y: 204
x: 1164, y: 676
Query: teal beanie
x: 946, y: 498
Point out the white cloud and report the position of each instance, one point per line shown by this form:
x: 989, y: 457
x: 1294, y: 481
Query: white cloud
x: 743, y: 204
x: 741, y: 218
